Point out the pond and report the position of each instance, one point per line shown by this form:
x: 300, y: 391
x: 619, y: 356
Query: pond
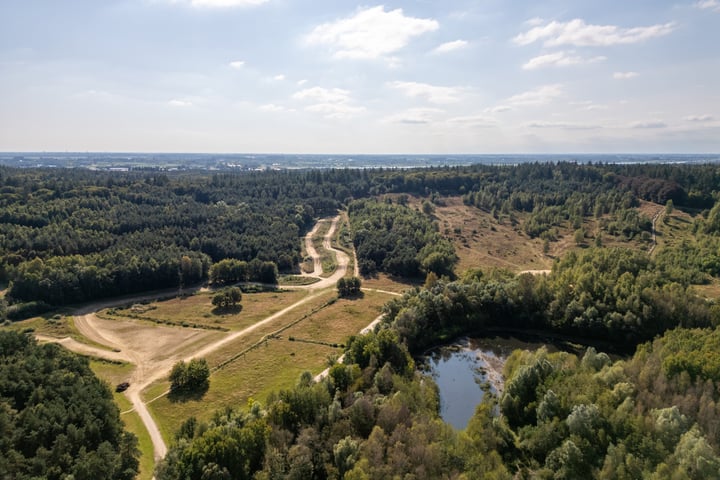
x: 467, y: 369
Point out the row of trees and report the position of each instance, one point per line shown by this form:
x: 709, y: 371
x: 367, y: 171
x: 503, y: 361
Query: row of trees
x: 231, y: 270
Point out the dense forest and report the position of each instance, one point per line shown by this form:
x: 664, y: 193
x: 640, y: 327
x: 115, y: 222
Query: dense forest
x: 395, y: 239
x: 74, y: 235
x: 71, y: 236
x: 57, y: 420
x: 561, y: 416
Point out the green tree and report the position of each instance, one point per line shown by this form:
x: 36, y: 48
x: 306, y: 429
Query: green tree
x: 227, y: 297
x: 191, y: 377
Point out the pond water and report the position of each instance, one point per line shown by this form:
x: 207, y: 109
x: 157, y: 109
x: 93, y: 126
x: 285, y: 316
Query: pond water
x: 469, y: 368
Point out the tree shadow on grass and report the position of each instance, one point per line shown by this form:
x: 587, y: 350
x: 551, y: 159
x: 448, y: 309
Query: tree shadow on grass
x: 354, y: 296
x: 231, y: 310
x: 186, y: 395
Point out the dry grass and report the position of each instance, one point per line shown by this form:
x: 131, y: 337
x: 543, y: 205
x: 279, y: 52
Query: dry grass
x: 481, y: 241
x: 388, y: 283
x: 275, y: 363
x: 198, y: 309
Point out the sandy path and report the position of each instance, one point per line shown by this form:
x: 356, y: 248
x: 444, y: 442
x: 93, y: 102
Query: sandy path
x: 310, y: 249
x: 365, y: 330
x: 85, y: 349
x: 341, y: 258
x: 536, y: 272
x: 154, y: 349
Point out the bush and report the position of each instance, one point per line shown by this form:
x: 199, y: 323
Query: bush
x: 190, y: 377
x: 348, y: 287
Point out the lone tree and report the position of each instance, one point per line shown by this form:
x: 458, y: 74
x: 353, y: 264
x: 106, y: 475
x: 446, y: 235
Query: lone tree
x: 193, y: 376
x: 227, y: 297
x: 348, y: 287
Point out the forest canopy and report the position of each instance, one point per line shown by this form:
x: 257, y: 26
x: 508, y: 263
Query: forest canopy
x: 56, y: 418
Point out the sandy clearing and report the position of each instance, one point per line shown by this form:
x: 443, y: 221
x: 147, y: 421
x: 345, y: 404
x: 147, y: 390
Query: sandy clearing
x: 83, y: 348
x: 154, y: 349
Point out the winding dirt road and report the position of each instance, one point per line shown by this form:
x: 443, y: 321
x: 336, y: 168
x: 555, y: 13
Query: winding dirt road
x: 155, y: 349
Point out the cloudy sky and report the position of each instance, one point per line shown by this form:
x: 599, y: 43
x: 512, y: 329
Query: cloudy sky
x: 336, y: 76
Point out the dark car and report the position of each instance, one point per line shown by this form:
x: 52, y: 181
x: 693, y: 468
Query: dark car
x: 121, y: 387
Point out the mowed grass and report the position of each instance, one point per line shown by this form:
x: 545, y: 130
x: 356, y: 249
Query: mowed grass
x: 275, y: 363
x: 114, y: 373
x: 198, y: 309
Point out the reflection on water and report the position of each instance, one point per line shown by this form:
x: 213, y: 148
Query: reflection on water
x: 466, y: 370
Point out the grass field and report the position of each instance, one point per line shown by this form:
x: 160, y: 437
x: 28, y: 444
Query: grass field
x: 52, y: 325
x: 274, y: 363
x: 197, y: 309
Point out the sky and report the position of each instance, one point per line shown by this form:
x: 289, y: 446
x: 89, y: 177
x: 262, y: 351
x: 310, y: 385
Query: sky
x: 336, y: 76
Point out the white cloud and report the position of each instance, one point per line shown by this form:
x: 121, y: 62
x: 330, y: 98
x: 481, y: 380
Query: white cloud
x: 649, y: 125
x: 370, y: 33
x: 534, y: 22
x: 624, y: 75
x: 176, y: 102
x: 538, y: 96
x: 302, y: 82
x: 237, y: 64
x: 279, y: 78
x: 577, y: 32
x: 331, y: 103
x: 474, y: 121
x: 498, y: 109
x: 450, y: 46
x: 559, y: 59
x: 271, y: 107
x: 708, y: 5
x: 415, y: 116
x: 226, y: 3
x: 431, y: 93
x: 320, y: 94
x: 699, y: 118
x: 335, y: 110
x: 563, y: 126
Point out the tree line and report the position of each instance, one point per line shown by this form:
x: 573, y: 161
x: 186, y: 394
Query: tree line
x: 74, y: 235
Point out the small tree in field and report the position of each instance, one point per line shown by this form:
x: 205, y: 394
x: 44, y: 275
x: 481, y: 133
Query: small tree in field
x: 348, y: 287
x: 193, y: 376
x: 227, y: 297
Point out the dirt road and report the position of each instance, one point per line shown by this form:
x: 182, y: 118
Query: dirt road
x: 310, y: 249
x: 155, y: 349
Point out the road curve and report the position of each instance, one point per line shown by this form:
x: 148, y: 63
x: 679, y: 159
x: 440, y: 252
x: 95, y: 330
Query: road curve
x: 87, y: 324
x: 310, y: 249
